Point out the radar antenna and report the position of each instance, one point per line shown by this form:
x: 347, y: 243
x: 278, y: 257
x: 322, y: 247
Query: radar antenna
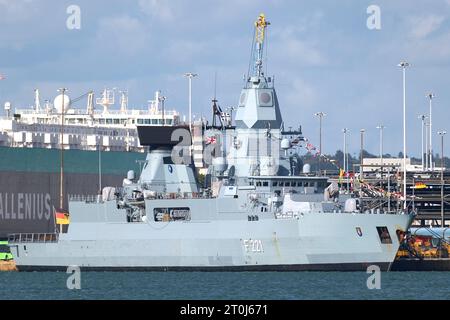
x: 258, y: 46
x: 106, y: 100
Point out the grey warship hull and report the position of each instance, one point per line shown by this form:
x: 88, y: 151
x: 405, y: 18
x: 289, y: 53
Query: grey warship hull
x: 346, y: 242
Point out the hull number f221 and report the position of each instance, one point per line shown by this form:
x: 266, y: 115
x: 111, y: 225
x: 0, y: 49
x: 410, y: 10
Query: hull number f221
x: 253, y: 245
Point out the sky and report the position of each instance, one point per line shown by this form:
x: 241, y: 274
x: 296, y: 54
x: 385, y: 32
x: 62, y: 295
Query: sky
x: 322, y: 54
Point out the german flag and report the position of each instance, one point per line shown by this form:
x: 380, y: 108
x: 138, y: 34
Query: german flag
x: 62, y: 217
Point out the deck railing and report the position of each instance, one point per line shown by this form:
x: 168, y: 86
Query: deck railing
x: 33, y: 237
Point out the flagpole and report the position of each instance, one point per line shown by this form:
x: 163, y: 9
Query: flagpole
x: 61, y: 175
x: 54, y: 219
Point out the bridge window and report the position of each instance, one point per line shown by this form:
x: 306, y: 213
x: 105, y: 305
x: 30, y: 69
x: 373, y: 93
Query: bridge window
x: 322, y: 184
x: 140, y: 121
x: 265, y: 183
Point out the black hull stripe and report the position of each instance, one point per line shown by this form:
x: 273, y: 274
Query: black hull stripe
x: 421, y: 265
x: 384, y: 266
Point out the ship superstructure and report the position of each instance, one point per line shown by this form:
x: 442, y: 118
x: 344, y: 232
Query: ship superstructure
x: 84, y: 129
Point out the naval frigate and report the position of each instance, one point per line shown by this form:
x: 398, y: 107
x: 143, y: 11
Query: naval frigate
x: 255, y: 210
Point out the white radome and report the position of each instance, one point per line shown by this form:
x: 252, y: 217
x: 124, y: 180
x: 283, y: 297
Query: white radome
x: 58, y: 103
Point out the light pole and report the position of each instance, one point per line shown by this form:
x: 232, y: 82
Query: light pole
x: 404, y: 65
x: 381, y: 128
x: 426, y: 145
x: 430, y: 146
x: 190, y: 76
x: 361, y: 154
x: 99, y: 168
x: 320, y: 115
x: 423, y: 118
x: 345, y: 130
x: 61, y: 168
x: 442, y: 134
x: 162, y: 99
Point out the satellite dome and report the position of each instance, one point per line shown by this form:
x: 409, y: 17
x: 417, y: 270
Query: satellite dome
x: 58, y: 103
x: 307, y: 168
x: 220, y: 164
x: 285, y: 144
x: 7, y: 105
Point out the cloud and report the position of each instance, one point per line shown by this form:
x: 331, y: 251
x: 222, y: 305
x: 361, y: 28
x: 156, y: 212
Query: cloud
x: 299, y: 94
x: 294, y: 44
x: 184, y: 51
x: 15, y: 10
x: 18, y: 20
x: 158, y: 8
x: 300, y: 52
x: 123, y: 34
x: 423, y: 26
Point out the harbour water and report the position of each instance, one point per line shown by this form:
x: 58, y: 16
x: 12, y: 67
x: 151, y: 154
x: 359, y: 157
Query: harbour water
x: 236, y: 286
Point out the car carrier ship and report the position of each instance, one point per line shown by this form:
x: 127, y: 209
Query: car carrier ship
x: 100, y: 146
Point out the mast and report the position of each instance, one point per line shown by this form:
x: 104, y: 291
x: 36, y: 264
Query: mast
x: 61, y: 172
x: 37, y: 100
x: 123, y: 101
x: 258, y: 48
x: 106, y: 100
x: 90, y: 103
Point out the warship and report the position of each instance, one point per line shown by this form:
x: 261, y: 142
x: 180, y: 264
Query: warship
x: 257, y: 208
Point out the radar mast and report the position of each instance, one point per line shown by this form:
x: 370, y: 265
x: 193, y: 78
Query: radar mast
x: 258, y: 46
